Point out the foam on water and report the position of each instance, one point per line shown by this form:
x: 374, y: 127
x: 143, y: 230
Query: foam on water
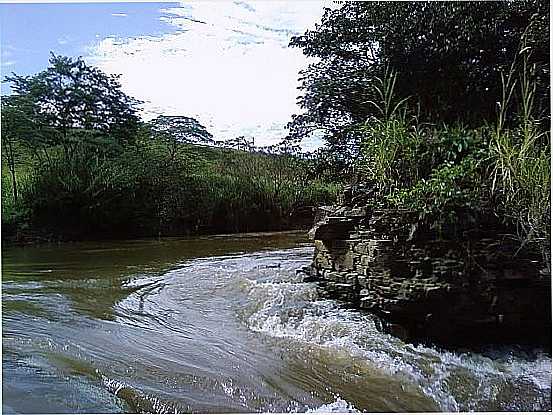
x: 338, y: 406
x: 236, y: 333
x: 138, y: 401
x: 455, y: 381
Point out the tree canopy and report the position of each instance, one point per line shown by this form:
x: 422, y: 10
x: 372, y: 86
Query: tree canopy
x: 77, y: 102
x: 180, y: 129
x: 448, y: 56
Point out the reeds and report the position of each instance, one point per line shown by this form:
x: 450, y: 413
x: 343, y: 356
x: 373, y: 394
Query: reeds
x: 520, y: 154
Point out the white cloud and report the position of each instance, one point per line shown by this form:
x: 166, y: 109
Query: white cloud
x: 228, y: 64
x: 119, y: 14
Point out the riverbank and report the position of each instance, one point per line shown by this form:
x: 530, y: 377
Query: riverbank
x: 37, y: 238
x: 468, y: 284
x: 146, y: 191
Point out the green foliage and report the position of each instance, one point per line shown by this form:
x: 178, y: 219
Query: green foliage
x: 77, y: 163
x: 173, y: 130
x: 381, y: 146
x: 15, y: 215
x: 142, y: 191
x: 71, y: 102
x: 397, y: 151
x: 325, y: 165
x: 448, y: 56
x: 521, y: 181
x: 520, y: 157
x: 386, y: 102
x: 449, y: 189
x: 180, y: 129
x: 442, y: 170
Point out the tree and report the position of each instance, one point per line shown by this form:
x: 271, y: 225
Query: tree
x: 448, y: 56
x: 176, y: 129
x: 78, y: 104
x: 241, y: 143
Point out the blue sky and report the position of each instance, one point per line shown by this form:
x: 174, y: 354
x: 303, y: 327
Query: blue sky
x: 225, y: 62
x: 30, y: 31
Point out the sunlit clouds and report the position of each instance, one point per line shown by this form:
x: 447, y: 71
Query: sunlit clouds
x: 227, y: 64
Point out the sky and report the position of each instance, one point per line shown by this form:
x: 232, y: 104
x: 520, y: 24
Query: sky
x: 226, y: 63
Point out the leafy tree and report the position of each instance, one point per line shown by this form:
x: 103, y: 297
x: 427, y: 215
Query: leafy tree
x: 239, y: 143
x: 177, y: 129
x: 62, y: 127
x: 79, y: 104
x: 325, y: 165
x: 449, y: 57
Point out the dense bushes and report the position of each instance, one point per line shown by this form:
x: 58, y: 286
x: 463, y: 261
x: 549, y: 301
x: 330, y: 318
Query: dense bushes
x: 449, y: 56
x: 78, y: 163
x: 146, y: 191
x: 442, y: 108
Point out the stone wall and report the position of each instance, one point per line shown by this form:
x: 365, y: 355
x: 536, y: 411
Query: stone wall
x: 478, y: 286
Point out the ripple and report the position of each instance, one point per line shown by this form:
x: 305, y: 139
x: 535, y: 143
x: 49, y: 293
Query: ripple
x: 239, y: 333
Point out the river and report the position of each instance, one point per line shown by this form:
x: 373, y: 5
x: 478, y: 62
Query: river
x: 223, y: 324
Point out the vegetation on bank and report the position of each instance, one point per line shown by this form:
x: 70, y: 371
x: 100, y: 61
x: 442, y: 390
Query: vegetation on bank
x: 79, y: 164
x: 443, y: 171
x: 443, y: 107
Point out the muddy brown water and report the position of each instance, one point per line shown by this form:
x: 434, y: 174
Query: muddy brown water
x: 223, y: 324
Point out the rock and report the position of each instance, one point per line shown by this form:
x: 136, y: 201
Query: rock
x: 435, y: 288
x: 338, y: 229
x: 398, y: 331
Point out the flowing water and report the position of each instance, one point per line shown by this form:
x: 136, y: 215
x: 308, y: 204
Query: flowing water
x: 223, y: 324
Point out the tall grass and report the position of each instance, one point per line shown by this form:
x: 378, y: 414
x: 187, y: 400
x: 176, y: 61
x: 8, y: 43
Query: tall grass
x: 520, y: 156
x: 145, y: 191
x: 391, y: 139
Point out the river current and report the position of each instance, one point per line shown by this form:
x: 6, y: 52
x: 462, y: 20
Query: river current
x: 223, y: 324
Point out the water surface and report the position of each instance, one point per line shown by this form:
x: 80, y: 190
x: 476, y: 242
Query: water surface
x: 223, y: 324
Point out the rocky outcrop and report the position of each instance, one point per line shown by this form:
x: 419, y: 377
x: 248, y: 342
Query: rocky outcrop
x: 465, y: 285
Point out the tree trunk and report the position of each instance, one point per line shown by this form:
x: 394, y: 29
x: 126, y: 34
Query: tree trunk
x: 14, y: 184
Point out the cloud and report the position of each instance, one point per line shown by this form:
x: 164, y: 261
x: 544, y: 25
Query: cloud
x: 8, y: 55
x: 245, y: 5
x: 226, y: 64
x: 119, y: 14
